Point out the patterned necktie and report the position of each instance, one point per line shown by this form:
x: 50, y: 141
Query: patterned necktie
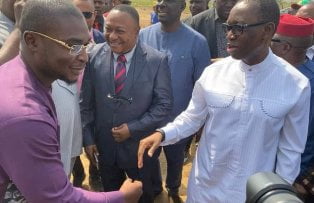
x: 120, y: 76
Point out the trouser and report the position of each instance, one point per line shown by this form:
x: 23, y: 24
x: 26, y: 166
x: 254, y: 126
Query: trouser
x: 197, y: 136
x: 114, y: 176
x: 174, y: 156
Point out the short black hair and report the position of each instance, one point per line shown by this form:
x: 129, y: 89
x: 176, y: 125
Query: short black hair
x: 129, y: 10
x: 268, y: 10
x: 43, y: 15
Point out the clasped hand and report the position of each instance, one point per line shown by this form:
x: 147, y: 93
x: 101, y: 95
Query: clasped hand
x: 121, y: 133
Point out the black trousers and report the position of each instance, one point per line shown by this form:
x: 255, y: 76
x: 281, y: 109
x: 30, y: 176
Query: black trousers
x: 114, y: 176
x: 174, y: 156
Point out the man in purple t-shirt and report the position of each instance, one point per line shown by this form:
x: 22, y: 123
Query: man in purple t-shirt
x: 29, y: 132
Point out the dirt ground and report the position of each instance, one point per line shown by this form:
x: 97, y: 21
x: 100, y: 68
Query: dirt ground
x: 163, y: 197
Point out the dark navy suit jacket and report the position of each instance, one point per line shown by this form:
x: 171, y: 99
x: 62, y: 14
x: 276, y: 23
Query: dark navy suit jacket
x: 148, y: 83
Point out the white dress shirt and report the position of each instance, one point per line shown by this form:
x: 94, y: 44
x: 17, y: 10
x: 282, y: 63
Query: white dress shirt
x: 256, y: 119
x: 66, y: 99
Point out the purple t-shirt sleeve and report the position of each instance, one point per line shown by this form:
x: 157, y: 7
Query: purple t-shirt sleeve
x: 30, y: 157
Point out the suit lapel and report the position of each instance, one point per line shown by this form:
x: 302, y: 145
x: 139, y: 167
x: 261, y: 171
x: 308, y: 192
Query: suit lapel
x: 137, y: 65
x: 107, y: 66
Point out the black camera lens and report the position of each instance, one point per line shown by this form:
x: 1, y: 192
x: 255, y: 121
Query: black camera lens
x: 267, y: 187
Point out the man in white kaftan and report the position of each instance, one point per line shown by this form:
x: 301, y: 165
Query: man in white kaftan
x: 256, y: 115
x: 255, y: 107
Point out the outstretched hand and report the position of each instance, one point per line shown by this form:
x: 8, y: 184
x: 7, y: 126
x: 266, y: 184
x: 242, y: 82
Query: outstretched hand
x: 132, y: 190
x: 151, y: 143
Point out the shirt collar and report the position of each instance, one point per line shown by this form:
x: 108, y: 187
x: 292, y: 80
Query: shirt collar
x: 262, y: 66
x: 128, y: 55
x: 310, y: 52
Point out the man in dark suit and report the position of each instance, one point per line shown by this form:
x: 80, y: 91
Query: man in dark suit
x: 196, y: 7
x: 209, y: 24
x: 126, y: 94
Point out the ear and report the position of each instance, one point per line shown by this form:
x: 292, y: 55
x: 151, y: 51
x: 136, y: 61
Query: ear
x: 286, y: 47
x: 31, y: 41
x: 269, y: 30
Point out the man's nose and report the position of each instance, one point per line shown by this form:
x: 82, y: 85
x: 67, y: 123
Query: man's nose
x: 83, y: 56
x: 161, y: 4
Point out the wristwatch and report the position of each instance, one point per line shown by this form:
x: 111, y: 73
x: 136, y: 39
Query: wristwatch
x: 162, y: 132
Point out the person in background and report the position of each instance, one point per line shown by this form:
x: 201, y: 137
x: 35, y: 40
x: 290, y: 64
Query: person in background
x: 209, y: 24
x: 154, y: 16
x: 108, y: 6
x: 293, y: 37
x: 255, y: 107
x: 307, y: 11
x: 99, y: 22
x: 196, y: 7
x: 29, y: 131
x: 188, y: 56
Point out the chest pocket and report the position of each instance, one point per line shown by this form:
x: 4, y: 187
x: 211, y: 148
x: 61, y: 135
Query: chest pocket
x: 217, y: 100
x: 274, y: 109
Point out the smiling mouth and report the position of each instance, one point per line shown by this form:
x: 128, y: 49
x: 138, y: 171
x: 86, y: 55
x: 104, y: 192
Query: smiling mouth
x: 114, y: 44
x: 162, y: 13
x: 231, y: 47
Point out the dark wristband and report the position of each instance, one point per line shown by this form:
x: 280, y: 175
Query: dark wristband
x: 162, y: 132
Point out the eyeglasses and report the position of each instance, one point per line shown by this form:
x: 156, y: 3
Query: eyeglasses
x: 276, y: 40
x: 128, y: 2
x: 87, y: 14
x: 159, y: 2
x: 75, y: 49
x: 119, y: 98
x: 237, y: 29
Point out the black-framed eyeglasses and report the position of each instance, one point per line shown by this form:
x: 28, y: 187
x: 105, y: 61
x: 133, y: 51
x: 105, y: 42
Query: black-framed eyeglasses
x: 159, y: 2
x: 87, y: 14
x: 128, y: 2
x: 276, y: 40
x: 115, y: 97
x: 237, y: 29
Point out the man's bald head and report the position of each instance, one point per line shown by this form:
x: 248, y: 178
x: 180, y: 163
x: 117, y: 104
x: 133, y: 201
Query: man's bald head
x: 306, y: 11
x: 267, y: 10
x: 129, y: 10
x: 44, y: 15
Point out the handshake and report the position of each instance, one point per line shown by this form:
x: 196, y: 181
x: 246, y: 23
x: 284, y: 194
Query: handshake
x: 131, y: 190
